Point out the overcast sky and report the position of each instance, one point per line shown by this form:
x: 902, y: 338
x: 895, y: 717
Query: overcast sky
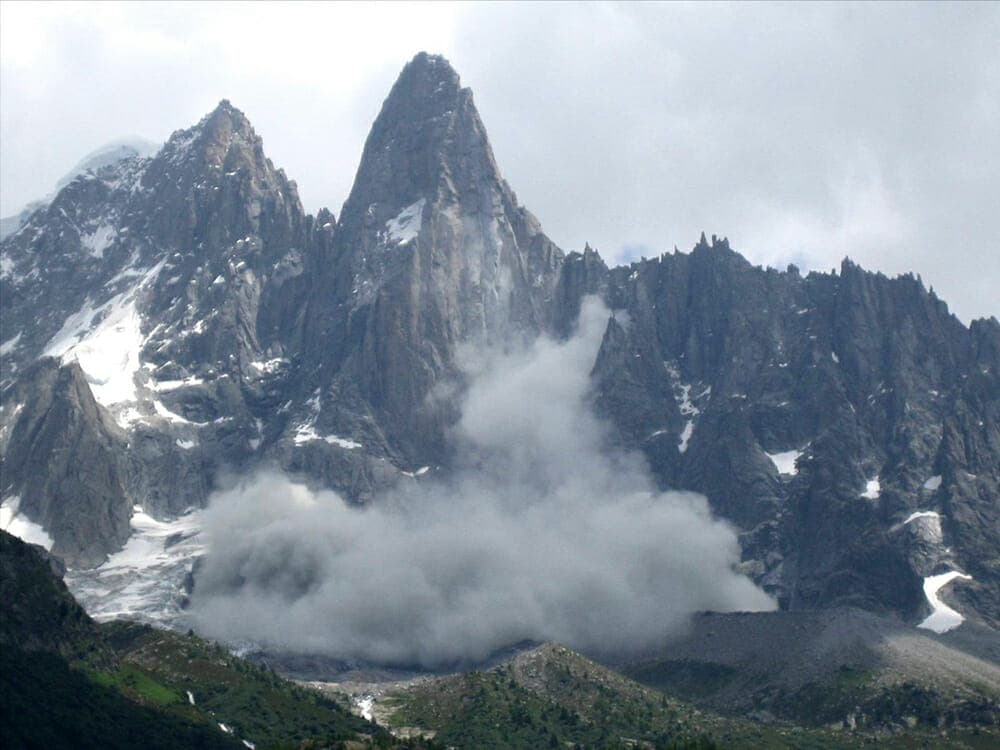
x: 802, y: 132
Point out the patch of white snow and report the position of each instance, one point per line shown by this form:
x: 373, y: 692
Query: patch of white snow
x: 785, y: 461
x: 106, y: 340
x: 686, y: 405
x: 307, y: 433
x: 873, y: 488
x: 923, y: 514
x: 8, y: 346
x: 686, y: 436
x: 406, y: 226
x: 99, y: 240
x: 933, y: 483
x: 943, y: 618
x: 108, y: 352
x: 145, y: 579
x: 270, y: 366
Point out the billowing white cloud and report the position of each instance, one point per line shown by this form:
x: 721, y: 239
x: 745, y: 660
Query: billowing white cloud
x: 542, y: 533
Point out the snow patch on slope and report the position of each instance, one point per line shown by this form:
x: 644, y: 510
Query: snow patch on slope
x: 306, y: 432
x: 145, y: 579
x: 873, y: 489
x: 923, y: 514
x: 686, y: 404
x: 8, y: 346
x: 785, y: 461
x: 173, y: 385
x: 106, y: 340
x: 943, y: 618
x: 97, y: 241
x: 406, y: 226
x: 108, y: 352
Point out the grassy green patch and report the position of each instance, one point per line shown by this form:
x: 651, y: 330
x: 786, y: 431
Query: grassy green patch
x: 135, y: 683
x: 555, y: 698
x: 46, y: 704
x: 255, y: 702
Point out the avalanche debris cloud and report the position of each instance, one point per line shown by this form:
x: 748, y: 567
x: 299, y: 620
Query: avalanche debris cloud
x: 541, y: 533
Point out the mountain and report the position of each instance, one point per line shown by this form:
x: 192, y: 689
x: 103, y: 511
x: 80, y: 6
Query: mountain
x: 39, y: 612
x: 846, y: 422
x: 431, y: 250
x: 838, y: 667
x: 169, y: 318
x: 68, y: 682
x: 550, y: 696
x: 106, y: 155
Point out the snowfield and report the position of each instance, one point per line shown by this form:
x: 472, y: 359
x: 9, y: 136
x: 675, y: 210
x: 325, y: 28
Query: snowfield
x: 144, y: 580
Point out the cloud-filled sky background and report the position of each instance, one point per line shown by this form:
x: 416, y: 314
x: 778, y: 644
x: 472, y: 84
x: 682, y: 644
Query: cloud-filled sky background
x: 804, y: 133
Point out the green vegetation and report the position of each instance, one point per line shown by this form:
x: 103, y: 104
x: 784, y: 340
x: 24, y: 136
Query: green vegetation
x: 143, y: 702
x: 553, y: 697
x: 862, y: 696
x: 66, y: 682
x: 160, y: 668
x: 46, y: 704
x: 137, y: 685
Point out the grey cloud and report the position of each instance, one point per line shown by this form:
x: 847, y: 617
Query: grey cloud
x: 542, y: 534
x: 803, y: 132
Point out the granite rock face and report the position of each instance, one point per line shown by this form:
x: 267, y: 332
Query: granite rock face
x: 818, y: 414
x: 167, y: 319
x: 432, y: 250
x: 67, y: 461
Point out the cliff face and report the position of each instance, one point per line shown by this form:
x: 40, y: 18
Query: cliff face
x: 431, y: 250
x: 819, y: 414
x: 166, y: 317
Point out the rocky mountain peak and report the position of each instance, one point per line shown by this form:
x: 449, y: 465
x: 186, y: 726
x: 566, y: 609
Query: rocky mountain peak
x: 426, y: 143
x: 221, y: 138
x: 217, y: 169
x: 431, y: 250
x: 426, y: 79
